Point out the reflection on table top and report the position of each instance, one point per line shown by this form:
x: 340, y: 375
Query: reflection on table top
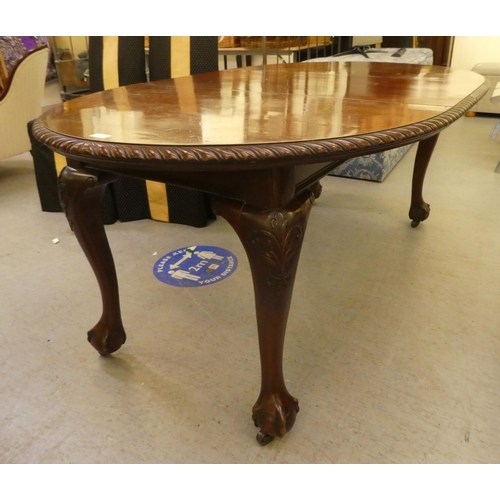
x: 265, y: 104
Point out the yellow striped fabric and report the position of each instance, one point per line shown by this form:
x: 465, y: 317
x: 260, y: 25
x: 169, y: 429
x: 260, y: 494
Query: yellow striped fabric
x: 180, y: 65
x: 180, y: 56
x: 158, y: 201
x: 60, y: 162
x: 110, y: 62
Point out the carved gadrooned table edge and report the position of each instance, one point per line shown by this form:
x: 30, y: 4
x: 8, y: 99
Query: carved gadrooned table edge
x: 257, y: 153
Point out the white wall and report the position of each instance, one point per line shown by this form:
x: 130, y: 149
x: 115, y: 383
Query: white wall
x: 470, y: 50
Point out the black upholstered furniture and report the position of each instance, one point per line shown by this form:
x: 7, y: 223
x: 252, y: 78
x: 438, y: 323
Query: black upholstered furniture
x: 125, y: 60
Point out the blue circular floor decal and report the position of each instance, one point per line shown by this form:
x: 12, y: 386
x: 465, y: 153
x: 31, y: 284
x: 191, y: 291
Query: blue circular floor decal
x: 195, y: 266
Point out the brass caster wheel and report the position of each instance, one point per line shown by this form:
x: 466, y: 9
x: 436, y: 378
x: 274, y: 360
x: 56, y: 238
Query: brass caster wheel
x: 415, y: 223
x: 264, y: 439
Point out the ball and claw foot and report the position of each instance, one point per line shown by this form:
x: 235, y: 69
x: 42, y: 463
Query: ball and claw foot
x: 274, y: 415
x: 419, y: 213
x: 106, y: 340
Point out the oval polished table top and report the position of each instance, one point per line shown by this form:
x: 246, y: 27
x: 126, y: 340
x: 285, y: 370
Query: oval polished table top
x: 287, y: 104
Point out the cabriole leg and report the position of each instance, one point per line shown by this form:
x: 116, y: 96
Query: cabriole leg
x: 80, y: 193
x: 419, y: 210
x: 272, y: 240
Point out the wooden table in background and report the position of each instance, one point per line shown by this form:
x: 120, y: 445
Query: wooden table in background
x: 288, y: 54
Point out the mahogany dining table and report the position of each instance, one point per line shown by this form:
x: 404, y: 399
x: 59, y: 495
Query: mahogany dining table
x: 258, y: 140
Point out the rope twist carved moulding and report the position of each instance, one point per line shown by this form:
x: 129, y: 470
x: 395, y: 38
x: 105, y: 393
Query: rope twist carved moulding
x: 361, y: 144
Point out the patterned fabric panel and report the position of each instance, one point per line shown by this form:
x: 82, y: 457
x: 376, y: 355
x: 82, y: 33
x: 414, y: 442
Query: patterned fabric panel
x: 411, y: 56
x: 13, y: 48
x: 131, y: 199
x: 373, y: 167
x: 204, y: 54
x: 131, y: 60
x: 96, y: 82
x: 159, y: 57
x: 108, y: 208
x: 188, y: 207
x: 45, y: 174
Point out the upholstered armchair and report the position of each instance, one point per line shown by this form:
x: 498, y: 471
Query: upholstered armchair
x: 21, y: 101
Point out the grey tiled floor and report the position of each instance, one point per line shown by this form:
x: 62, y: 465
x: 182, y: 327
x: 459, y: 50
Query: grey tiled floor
x: 393, y: 342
